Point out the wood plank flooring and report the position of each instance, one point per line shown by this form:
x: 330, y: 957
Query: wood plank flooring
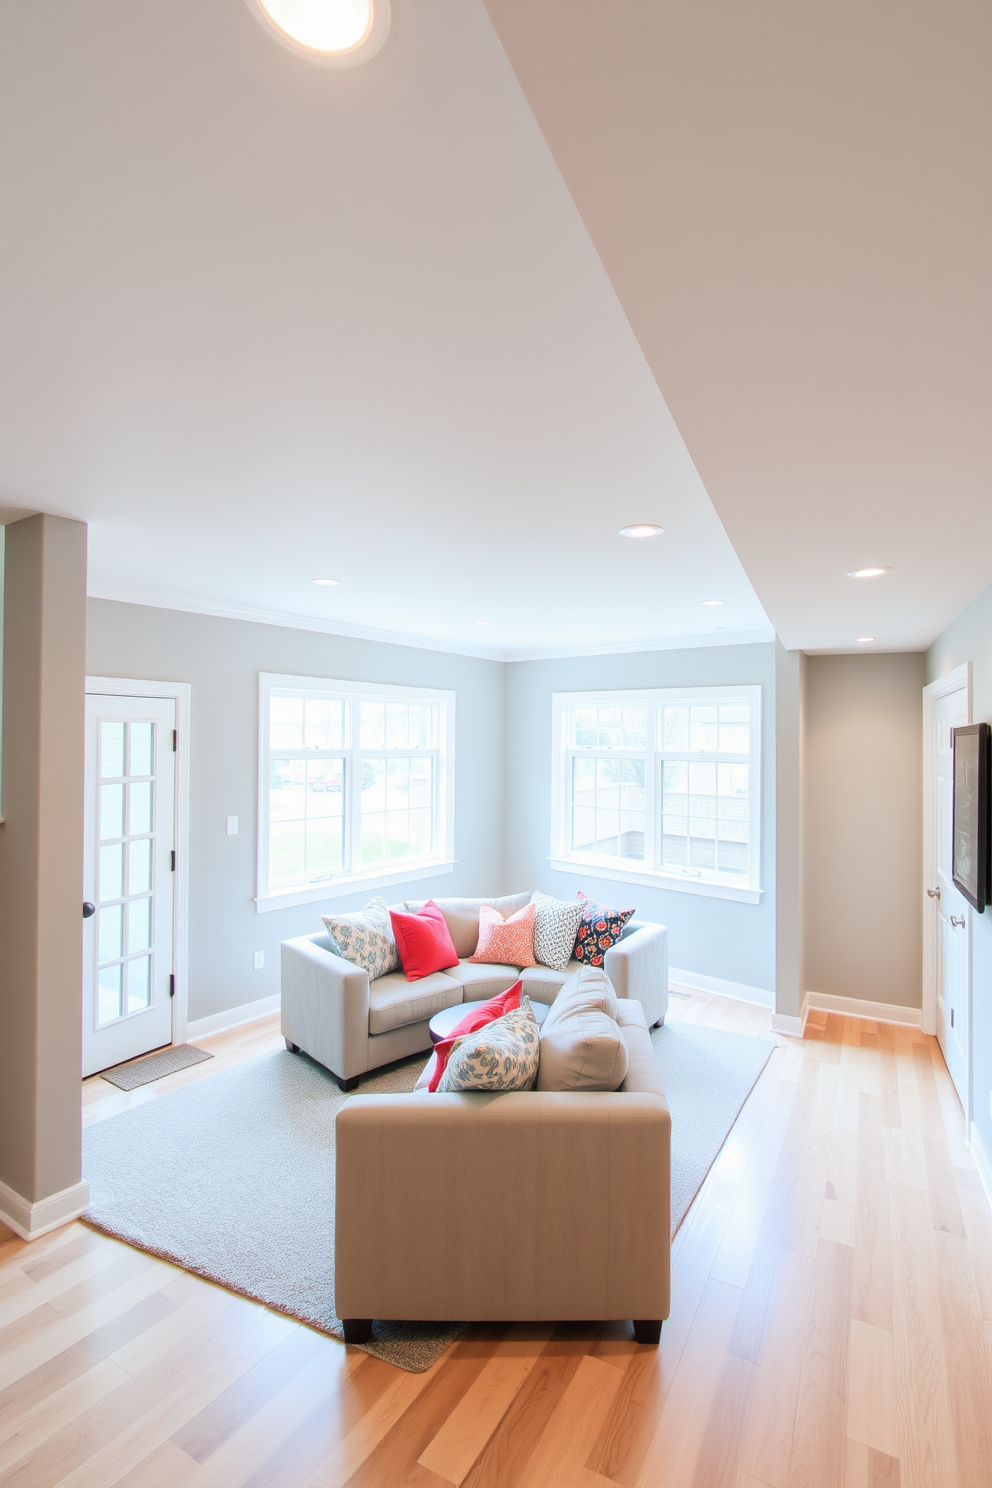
x: 831, y: 1326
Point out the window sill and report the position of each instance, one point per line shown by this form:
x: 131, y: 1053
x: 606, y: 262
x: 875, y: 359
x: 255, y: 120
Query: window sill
x: 653, y: 880
x: 353, y: 884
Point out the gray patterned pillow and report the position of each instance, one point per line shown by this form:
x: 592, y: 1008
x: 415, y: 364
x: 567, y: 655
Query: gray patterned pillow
x: 556, y: 922
x: 502, y: 1056
x: 365, y: 937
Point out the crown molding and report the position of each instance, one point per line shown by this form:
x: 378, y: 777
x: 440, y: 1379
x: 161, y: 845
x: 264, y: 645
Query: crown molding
x: 158, y: 600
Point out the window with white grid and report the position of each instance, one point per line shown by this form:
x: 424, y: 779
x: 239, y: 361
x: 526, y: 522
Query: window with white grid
x: 354, y: 785
x: 660, y: 786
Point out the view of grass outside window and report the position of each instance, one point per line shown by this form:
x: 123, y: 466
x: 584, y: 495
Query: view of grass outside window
x: 354, y: 784
x: 661, y: 782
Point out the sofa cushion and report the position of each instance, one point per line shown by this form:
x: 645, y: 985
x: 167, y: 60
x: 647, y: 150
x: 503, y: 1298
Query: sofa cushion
x: 556, y: 923
x: 502, y: 1056
x: 542, y: 984
x: 482, y: 979
x: 582, y: 1046
x: 462, y: 916
x: 394, y: 1002
x: 643, y: 1076
x: 506, y: 941
x: 365, y: 938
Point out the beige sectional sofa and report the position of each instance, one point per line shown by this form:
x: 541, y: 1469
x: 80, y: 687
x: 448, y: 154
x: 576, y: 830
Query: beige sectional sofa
x: 522, y: 1206
x: 332, y: 1012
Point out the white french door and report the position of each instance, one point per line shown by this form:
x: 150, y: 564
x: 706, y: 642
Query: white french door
x: 947, y: 915
x: 128, y: 878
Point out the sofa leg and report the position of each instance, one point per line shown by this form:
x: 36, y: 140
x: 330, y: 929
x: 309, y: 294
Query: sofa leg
x: 357, y: 1330
x: 346, y: 1085
x: 293, y: 1048
x: 658, y: 1022
x: 648, y: 1332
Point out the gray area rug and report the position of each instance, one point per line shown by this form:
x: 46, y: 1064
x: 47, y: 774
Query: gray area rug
x: 153, y: 1066
x: 233, y: 1177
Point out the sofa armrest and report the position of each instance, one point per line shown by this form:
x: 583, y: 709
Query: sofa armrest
x: 638, y: 968
x: 517, y: 1206
x: 325, y: 1006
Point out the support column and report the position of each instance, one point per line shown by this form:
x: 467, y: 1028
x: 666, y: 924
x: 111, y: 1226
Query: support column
x: 790, y: 735
x: 41, y: 873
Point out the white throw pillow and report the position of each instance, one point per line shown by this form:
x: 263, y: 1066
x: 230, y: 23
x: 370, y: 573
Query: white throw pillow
x: 556, y: 922
x: 365, y: 938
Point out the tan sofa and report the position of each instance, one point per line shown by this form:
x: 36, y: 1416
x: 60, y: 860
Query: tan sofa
x: 524, y: 1206
x: 331, y: 1011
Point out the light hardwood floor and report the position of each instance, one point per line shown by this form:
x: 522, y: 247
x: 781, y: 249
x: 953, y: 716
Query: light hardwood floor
x: 831, y: 1326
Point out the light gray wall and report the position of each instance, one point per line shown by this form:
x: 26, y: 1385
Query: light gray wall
x: 714, y: 937
x: 969, y: 638
x: 864, y: 771
x: 222, y: 660
x: 790, y: 830
x: 41, y: 856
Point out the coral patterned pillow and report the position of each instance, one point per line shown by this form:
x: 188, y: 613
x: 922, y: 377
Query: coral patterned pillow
x: 599, y: 929
x: 506, y: 942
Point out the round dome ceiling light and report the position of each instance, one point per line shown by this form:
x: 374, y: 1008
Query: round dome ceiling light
x: 865, y: 573
x: 332, y: 33
x: 864, y: 640
x: 642, y: 529
x: 710, y: 604
x: 325, y: 581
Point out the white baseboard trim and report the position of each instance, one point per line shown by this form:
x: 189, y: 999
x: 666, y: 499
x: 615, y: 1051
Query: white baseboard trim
x: 789, y: 1023
x: 982, y: 1163
x: 856, y: 1007
x: 739, y: 990
x: 30, y: 1221
x: 233, y: 1017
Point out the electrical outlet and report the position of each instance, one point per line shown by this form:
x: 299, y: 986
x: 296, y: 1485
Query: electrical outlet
x: 259, y: 960
x: 232, y: 826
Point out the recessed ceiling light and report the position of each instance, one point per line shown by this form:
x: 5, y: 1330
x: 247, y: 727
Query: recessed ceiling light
x: 710, y: 603
x: 325, y: 581
x: 864, y: 640
x: 642, y: 529
x: 865, y: 573
x: 483, y: 622
x: 334, y: 33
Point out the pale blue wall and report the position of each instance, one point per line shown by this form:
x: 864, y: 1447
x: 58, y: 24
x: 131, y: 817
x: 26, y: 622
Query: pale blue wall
x: 714, y: 937
x: 222, y: 660
x: 969, y: 638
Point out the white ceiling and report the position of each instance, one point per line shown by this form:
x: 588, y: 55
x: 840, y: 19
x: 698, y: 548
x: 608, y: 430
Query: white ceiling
x: 261, y: 320
x: 794, y: 205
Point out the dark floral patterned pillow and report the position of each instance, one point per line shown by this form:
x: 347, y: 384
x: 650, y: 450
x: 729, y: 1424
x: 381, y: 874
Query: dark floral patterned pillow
x: 599, y: 929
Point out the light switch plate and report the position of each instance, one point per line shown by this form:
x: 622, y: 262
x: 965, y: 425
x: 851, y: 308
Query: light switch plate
x: 259, y: 960
x: 232, y: 826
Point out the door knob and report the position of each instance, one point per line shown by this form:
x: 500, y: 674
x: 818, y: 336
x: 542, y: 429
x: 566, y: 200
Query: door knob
x: 956, y: 921
x: 933, y: 893
x: 88, y: 909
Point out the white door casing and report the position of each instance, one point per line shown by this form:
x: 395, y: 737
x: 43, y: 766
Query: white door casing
x: 117, y: 694
x: 947, y: 915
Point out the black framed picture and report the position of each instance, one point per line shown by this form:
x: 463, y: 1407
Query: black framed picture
x: 970, y: 836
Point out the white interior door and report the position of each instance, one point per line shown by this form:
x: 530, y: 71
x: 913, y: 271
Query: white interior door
x: 951, y: 911
x: 128, y: 877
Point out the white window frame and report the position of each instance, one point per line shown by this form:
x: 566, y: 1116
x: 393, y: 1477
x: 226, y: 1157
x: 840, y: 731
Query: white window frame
x: 704, y: 881
x: 442, y: 859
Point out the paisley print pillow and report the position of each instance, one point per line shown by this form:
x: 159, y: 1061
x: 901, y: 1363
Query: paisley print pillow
x: 599, y: 930
x: 502, y: 1056
x: 365, y: 938
x: 556, y: 922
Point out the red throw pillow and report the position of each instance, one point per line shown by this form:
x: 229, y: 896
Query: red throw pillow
x: 486, y: 1012
x: 423, y: 941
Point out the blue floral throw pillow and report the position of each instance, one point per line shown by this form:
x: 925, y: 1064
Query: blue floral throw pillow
x: 502, y: 1056
x: 599, y: 929
x: 365, y: 938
